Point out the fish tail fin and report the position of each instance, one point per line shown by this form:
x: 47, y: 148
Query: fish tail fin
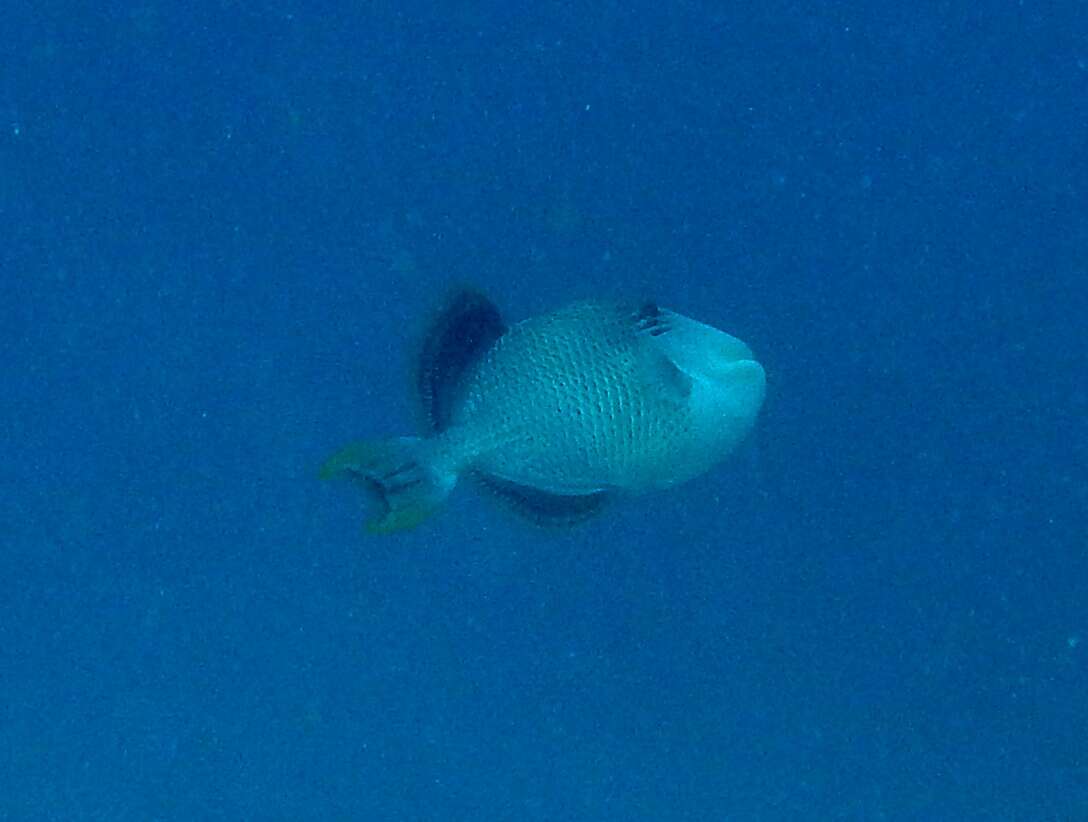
x: 401, y: 474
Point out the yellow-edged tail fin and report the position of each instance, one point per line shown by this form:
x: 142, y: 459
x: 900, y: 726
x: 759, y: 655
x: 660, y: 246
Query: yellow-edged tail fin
x: 399, y: 474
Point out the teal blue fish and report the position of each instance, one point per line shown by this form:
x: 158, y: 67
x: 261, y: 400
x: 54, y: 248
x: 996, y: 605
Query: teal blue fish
x: 561, y: 413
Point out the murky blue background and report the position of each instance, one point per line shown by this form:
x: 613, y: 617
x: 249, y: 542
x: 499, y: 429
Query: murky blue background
x: 223, y: 226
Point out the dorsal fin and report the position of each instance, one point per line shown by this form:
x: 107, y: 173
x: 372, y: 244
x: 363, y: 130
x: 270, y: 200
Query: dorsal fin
x: 459, y: 335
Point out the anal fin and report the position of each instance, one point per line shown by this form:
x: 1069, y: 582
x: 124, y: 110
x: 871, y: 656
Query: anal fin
x: 545, y: 507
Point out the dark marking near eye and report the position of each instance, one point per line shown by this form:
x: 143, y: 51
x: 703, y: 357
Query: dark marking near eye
x: 649, y: 319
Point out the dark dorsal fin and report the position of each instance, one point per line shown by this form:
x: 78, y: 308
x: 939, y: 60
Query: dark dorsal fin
x: 459, y: 335
x: 544, y: 507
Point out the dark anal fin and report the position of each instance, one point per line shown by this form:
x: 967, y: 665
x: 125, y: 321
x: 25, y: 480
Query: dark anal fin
x: 543, y: 507
x: 466, y: 328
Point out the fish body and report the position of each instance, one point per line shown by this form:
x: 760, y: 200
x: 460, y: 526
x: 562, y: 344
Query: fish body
x: 561, y: 412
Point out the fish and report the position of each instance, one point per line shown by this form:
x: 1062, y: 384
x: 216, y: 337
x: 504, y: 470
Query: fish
x: 561, y: 413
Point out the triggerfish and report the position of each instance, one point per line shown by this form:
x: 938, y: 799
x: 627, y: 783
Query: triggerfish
x: 560, y: 413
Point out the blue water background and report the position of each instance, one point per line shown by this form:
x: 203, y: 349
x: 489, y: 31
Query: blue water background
x: 223, y: 226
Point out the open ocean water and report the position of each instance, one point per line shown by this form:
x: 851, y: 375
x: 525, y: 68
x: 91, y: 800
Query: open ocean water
x: 223, y: 226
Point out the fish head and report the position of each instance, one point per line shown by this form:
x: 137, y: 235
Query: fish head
x: 728, y: 385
